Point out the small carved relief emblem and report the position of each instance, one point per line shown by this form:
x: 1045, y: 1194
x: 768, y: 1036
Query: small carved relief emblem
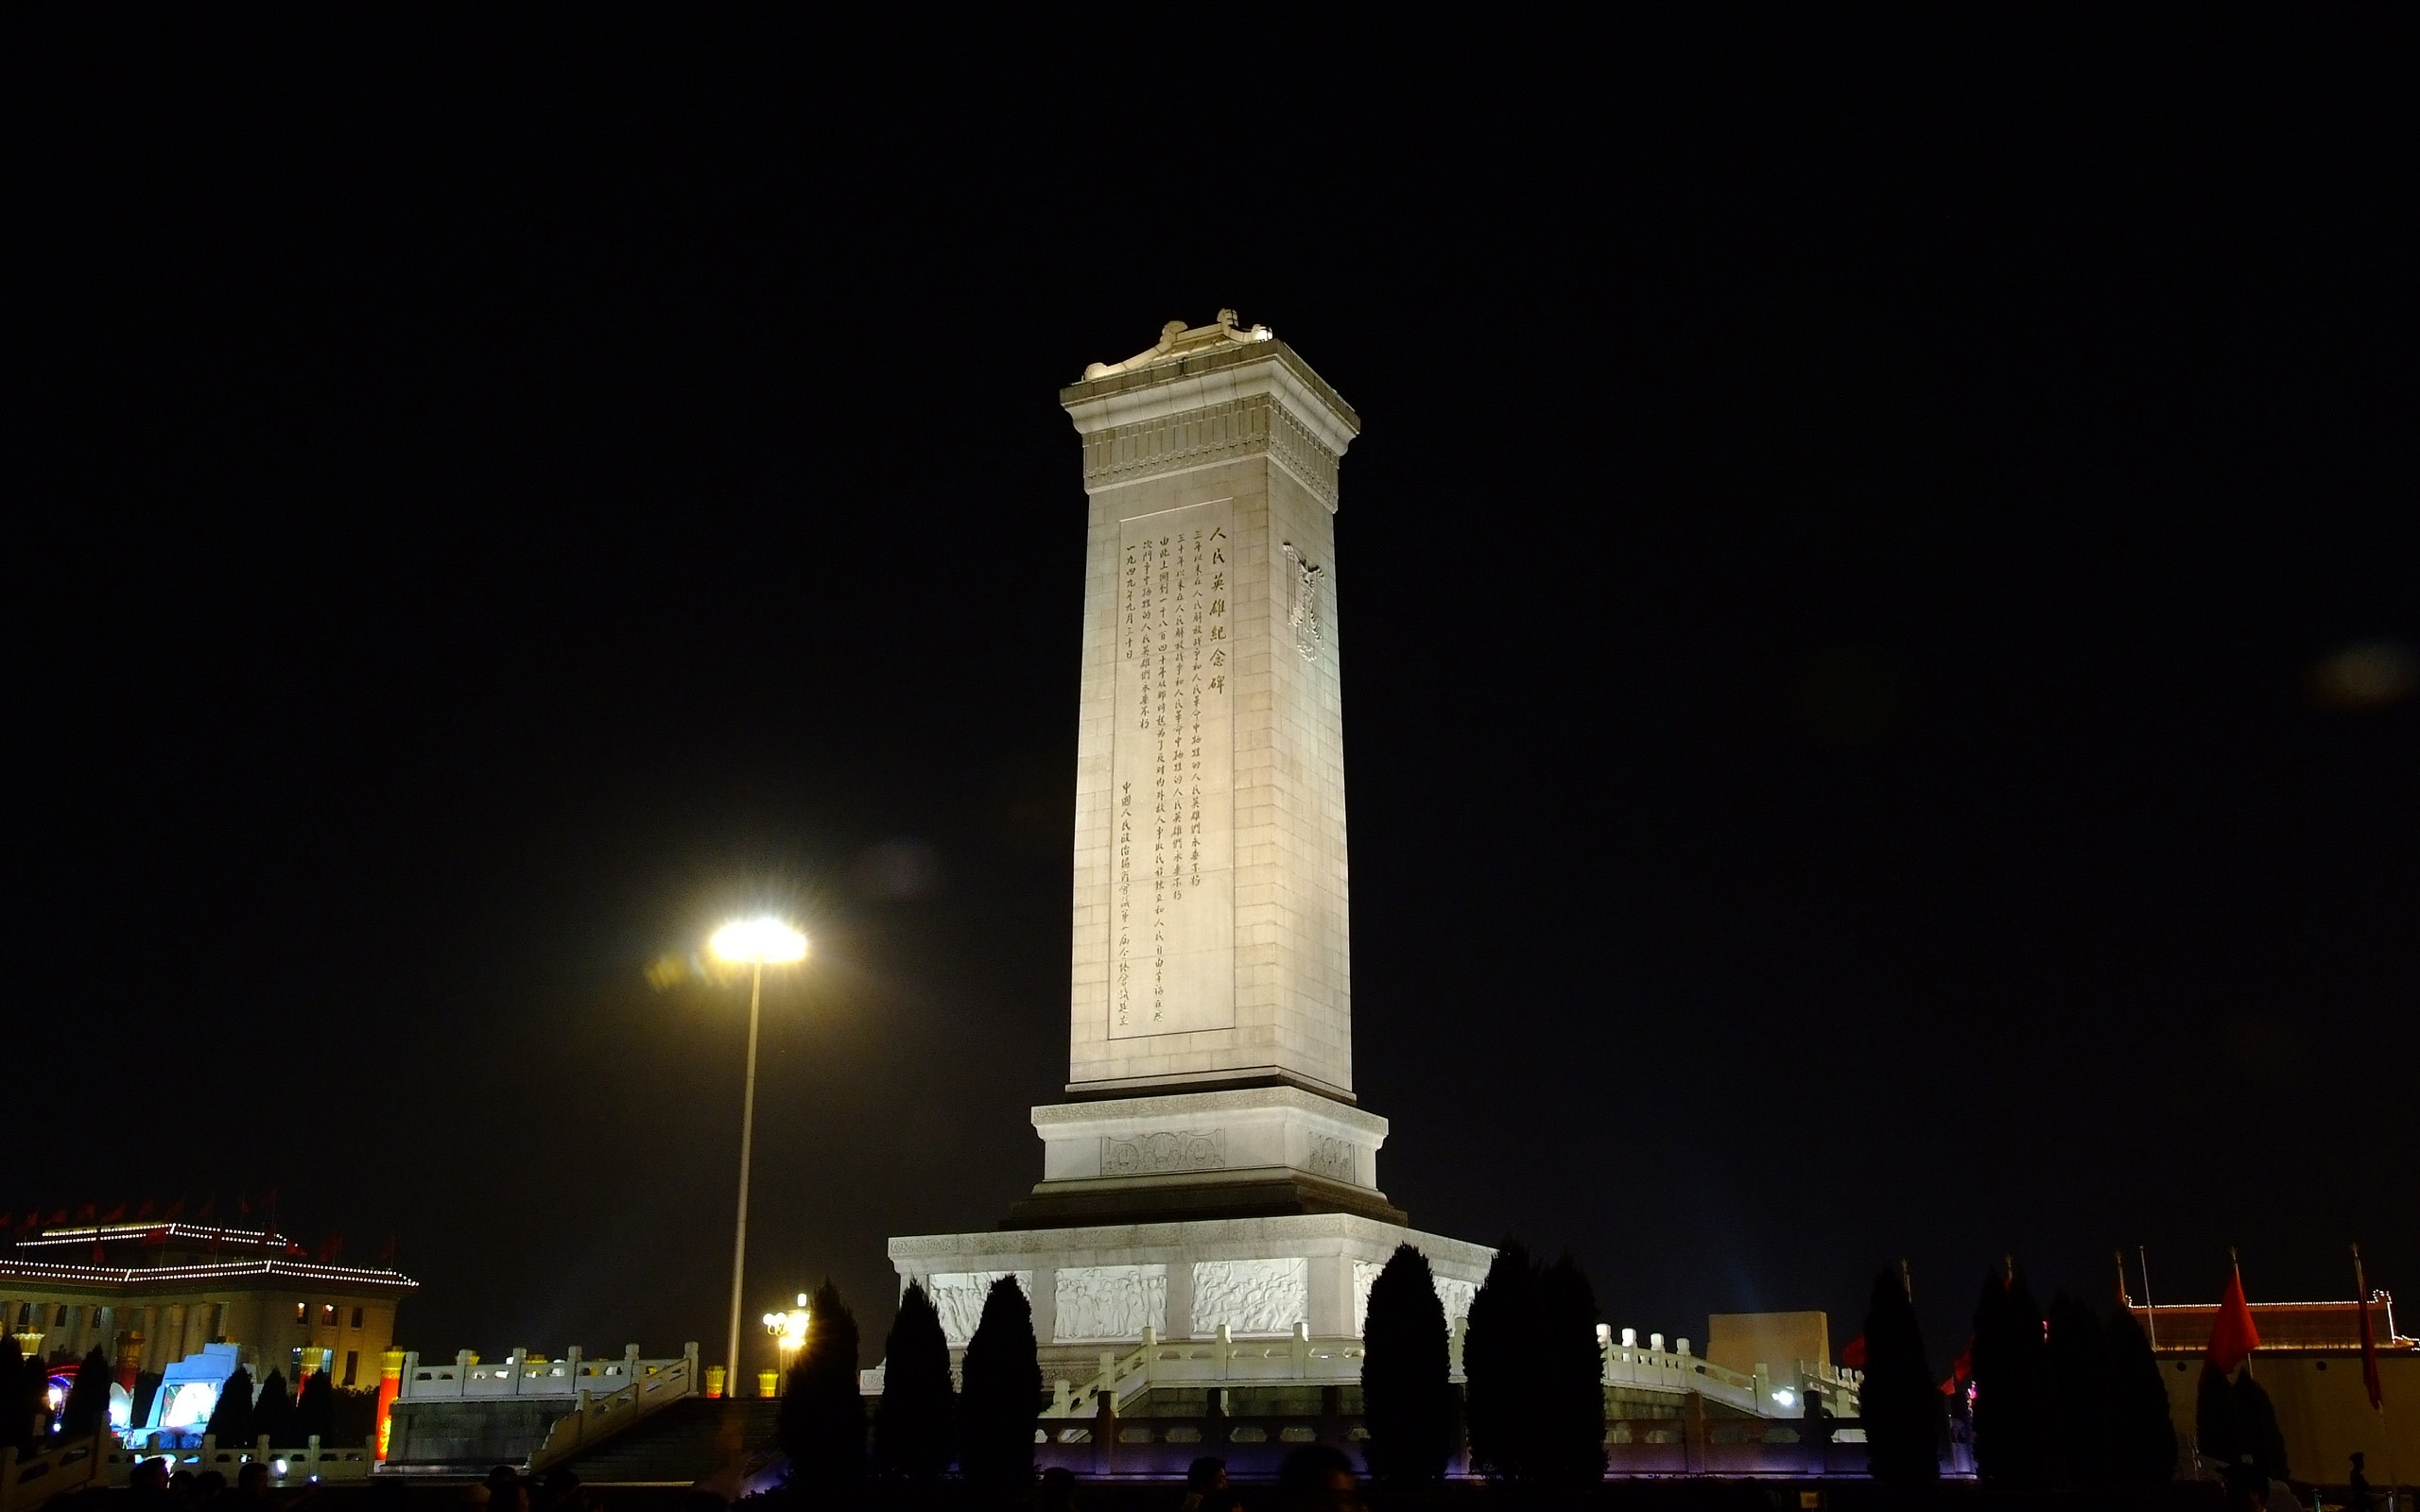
x: 1302, y: 601
x: 1333, y: 1157
x: 1156, y: 1154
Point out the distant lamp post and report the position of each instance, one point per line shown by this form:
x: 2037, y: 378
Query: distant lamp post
x: 788, y: 1330
x: 759, y: 943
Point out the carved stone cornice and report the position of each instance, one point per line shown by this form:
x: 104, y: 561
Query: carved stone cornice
x: 1218, y: 433
x: 1196, y: 410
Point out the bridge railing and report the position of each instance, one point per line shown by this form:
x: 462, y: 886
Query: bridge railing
x: 599, y: 1418
x: 523, y: 1374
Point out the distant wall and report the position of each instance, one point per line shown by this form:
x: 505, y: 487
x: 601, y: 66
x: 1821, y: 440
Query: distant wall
x: 1741, y: 1341
x: 504, y: 1431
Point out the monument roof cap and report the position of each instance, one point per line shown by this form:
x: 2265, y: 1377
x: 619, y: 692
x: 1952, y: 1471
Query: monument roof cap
x: 1185, y: 351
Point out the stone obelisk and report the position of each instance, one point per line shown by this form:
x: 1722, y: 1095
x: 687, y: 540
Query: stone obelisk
x: 1209, y: 1167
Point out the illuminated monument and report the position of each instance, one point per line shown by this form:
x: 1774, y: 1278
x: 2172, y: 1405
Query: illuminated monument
x: 1210, y: 1170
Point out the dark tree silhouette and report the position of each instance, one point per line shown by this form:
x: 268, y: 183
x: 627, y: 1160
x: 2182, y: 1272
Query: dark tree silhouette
x: 821, y: 1423
x: 911, y: 1431
x: 1001, y: 1391
x: 314, y: 1411
x: 2262, y: 1438
x: 1899, y: 1402
x: 273, y: 1411
x: 2083, y: 1391
x: 146, y: 1386
x: 230, y: 1417
x: 1500, y: 1364
x: 17, y: 1397
x: 1407, y: 1373
x: 2142, y: 1435
x: 352, y: 1419
x: 2218, y: 1421
x: 1567, y: 1434
x: 2013, y: 1426
x: 87, y: 1406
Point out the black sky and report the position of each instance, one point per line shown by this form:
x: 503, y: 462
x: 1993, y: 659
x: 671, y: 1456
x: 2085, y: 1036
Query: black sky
x: 1831, y: 589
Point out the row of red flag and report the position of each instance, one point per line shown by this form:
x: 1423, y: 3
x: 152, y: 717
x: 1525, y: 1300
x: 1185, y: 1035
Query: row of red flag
x: 329, y: 1250
x: 91, y: 1212
x: 2233, y: 1337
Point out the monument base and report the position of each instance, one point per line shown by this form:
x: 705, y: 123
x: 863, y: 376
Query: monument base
x: 1096, y: 1288
x: 1236, y: 1152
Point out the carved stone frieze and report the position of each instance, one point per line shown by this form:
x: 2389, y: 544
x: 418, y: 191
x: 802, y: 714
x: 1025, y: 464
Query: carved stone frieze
x: 1452, y: 1295
x: 957, y: 1297
x: 1160, y: 1153
x: 1334, y: 1158
x: 1104, y: 1303
x: 1250, y: 1296
x: 1241, y: 427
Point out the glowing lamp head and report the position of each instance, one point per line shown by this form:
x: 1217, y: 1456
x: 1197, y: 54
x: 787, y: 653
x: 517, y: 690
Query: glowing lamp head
x: 788, y: 1329
x: 765, y: 941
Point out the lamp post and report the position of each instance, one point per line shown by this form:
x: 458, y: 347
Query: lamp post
x: 788, y: 1330
x: 759, y: 942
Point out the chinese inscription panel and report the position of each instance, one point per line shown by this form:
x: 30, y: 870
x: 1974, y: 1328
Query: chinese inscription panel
x: 1171, y: 926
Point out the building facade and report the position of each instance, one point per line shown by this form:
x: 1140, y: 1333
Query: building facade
x: 151, y: 1294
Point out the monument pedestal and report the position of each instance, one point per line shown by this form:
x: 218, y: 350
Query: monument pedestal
x: 1242, y: 1153
x: 1097, y: 1287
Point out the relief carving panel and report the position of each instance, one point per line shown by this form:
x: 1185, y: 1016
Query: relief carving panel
x: 957, y: 1297
x: 1335, y: 1159
x: 1250, y: 1296
x: 1107, y: 1303
x: 1453, y: 1295
x: 1157, y: 1153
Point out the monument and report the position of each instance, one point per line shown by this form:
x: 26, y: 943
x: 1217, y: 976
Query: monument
x: 1209, y: 1174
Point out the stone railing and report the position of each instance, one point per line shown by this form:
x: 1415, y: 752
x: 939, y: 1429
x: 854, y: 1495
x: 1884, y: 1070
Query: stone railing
x: 310, y: 1465
x: 1652, y: 1367
x: 523, y: 1374
x: 30, y: 1481
x: 1220, y: 1361
x: 599, y: 1418
x: 1302, y: 1360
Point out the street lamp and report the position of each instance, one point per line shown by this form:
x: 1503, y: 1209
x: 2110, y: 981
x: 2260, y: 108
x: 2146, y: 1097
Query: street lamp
x: 788, y: 1330
x: 759, y: 942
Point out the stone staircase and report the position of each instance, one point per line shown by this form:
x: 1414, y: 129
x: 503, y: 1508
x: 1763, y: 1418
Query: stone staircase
x: 680, y: 1443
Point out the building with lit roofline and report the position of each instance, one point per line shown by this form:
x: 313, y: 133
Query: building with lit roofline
x: 151, y: 1294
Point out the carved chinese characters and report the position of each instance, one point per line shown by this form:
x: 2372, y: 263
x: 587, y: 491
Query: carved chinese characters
x: 1172, y: 884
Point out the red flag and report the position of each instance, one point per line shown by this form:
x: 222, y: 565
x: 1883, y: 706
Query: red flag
x: 145, y: 1211
x: 209, y: 1206
x: 86, y: 1217
x: 117, y: 1214
x: 331, y: 1249
x: 155, y: 1236
x: 2369, y: 1338
x: 176, y: 1210
x: 2232, y: 1334
x: 1852, y: 1354
x: 61, y: 1216
x: 386, y: 1257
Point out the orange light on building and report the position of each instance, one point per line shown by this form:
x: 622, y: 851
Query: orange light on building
x: 390, y: 1384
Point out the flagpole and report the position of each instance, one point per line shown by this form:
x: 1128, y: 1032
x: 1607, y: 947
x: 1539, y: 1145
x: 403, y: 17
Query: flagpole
x: 2369, y: 1369
x: 2150, y: 1313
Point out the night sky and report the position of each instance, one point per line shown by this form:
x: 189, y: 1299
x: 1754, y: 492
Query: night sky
x: 1879, y: 595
